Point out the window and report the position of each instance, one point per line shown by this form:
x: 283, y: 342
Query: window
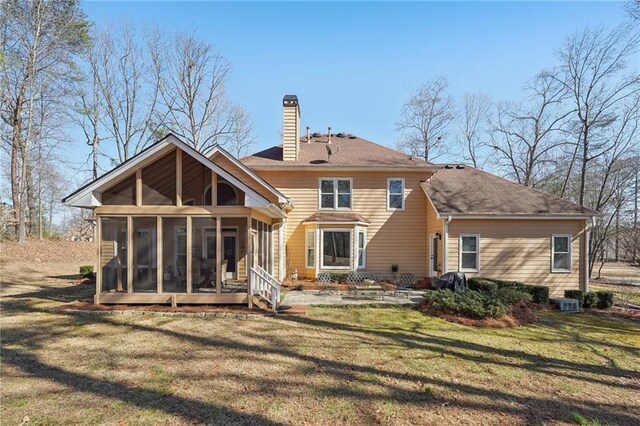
x: 335, y: 194
x: 561, y: 253
x: 395, y: 194
x: 362, y: 249
x: 336, y: 249
x: 469, y: 253
x: 311, y: 248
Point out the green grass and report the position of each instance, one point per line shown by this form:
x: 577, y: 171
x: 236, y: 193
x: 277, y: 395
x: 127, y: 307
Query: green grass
x: 334, y: 366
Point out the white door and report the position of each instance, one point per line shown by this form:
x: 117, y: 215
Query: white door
x: 433, y: 256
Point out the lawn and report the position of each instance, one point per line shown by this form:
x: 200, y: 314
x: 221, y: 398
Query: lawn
x: 345, y: 366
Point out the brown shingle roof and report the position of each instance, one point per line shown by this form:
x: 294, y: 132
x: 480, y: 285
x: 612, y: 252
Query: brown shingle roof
x: 469, y: 191
x: 349, y: 150
x: 336, y: 217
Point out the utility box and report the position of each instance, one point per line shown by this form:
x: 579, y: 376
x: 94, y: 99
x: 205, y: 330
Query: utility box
x: 566, y: 305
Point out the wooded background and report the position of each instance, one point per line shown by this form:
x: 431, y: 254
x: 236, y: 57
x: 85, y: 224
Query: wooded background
x: 574, y: 132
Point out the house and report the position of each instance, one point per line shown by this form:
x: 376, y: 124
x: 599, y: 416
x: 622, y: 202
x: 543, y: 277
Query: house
x: 178, y: 226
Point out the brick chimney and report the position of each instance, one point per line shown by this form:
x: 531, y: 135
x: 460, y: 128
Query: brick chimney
x: 291, y: 128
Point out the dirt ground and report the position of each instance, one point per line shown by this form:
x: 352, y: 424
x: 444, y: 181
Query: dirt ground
x: 332, y: 366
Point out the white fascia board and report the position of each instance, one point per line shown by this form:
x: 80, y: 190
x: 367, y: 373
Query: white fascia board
x: 521, y: 217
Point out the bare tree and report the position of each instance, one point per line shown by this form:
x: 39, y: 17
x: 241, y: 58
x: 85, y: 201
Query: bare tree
x: 192, y: 82
x: 525, y: 135
x: 40, y: 40
x: 472, y: 126
x: 124, y: 75
x: 594, y: 64
x: 243, y: 137
x: 424, y: 120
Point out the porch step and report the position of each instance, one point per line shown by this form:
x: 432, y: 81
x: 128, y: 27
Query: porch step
x: 260, y: 303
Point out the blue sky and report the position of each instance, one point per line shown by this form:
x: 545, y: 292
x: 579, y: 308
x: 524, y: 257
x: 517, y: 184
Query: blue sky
x: 353, y: 64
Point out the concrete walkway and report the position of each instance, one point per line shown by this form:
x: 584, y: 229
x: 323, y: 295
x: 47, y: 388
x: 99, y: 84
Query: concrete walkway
x: 313, y: 297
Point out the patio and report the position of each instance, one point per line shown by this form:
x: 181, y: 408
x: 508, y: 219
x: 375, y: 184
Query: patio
x: 318, y: 297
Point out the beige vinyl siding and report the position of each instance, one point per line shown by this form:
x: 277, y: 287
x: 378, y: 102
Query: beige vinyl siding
x: 520, y: 250
x: 434, y: 225
x: 394, y: 237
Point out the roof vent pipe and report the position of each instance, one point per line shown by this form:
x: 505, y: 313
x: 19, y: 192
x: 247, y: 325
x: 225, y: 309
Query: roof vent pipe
x: 329, y: 135
x: 308, y: 134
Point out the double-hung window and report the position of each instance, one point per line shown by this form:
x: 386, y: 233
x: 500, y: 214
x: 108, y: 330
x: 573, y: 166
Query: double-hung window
x: 362, y: 249
x: 395, y: 194
x: 336, y: 249
x: 561, y: 253
x: 469, y: 252
x: 311, y: 248
x: 335, y: 194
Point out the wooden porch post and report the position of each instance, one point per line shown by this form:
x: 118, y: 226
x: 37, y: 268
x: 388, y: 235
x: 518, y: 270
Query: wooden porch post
x: 189, y: 254
x: 178, y: 177
x: 130, y: 254
x: 218, y: 254
x: 159, y: 254
x: 139, y: 187
x: 249, y: 246
x: 96, y: 298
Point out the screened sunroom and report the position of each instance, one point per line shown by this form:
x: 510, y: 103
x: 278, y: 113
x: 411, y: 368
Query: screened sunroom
x: 175, y: 227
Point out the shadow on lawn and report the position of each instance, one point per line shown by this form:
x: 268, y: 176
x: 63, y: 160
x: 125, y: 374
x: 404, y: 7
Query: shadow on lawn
x: 533, y: 409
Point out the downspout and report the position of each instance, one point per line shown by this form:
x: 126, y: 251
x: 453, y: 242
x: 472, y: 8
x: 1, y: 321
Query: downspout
x: 445, y: 237
x: 587, y: 243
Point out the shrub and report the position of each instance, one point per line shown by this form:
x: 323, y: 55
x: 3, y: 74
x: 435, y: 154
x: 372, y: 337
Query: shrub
x: 338, y: 277
x: 470, y: 303
x: 575, y: 294
x: 539, y: 293
x: 511, y: 296
x: 605, y: 299
x: 590, y: 300
x: 481, y: 284
x: 86, y: 271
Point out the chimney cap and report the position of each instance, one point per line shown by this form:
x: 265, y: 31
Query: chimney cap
x: 290, y: 100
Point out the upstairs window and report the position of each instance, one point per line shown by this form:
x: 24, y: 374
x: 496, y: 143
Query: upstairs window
x: 335, y: 194
x: 395, y: 194
x: 561, y: 253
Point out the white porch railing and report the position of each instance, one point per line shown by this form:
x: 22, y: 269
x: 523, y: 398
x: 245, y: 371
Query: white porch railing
x: 263, y: 285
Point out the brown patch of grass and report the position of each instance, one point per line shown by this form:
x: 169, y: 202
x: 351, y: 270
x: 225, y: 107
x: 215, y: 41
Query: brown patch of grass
x: 87, y: 305
x: 332, y: 366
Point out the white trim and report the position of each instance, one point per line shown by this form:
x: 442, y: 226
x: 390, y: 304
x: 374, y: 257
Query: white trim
x: 364, y: 248
x: 322, y: 232
x: 553, y: 266
x: 389, y: 193
x: 477, y: 268
x: 433, y: 272
x: 358, y: 223
x: 421, y: 168
x: 317, y: 262
x: 335, y: 193
x: 306, y: 248
x: 80, y: 198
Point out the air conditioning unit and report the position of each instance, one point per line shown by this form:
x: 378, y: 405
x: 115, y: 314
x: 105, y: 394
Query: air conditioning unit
x: 566, y: 305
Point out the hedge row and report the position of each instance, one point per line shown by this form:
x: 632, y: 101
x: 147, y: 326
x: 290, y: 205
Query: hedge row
x: 539, y: 293
x: 591, y: 299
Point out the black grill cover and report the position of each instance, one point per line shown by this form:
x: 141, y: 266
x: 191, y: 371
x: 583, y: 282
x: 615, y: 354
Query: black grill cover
x: 454, y: 281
